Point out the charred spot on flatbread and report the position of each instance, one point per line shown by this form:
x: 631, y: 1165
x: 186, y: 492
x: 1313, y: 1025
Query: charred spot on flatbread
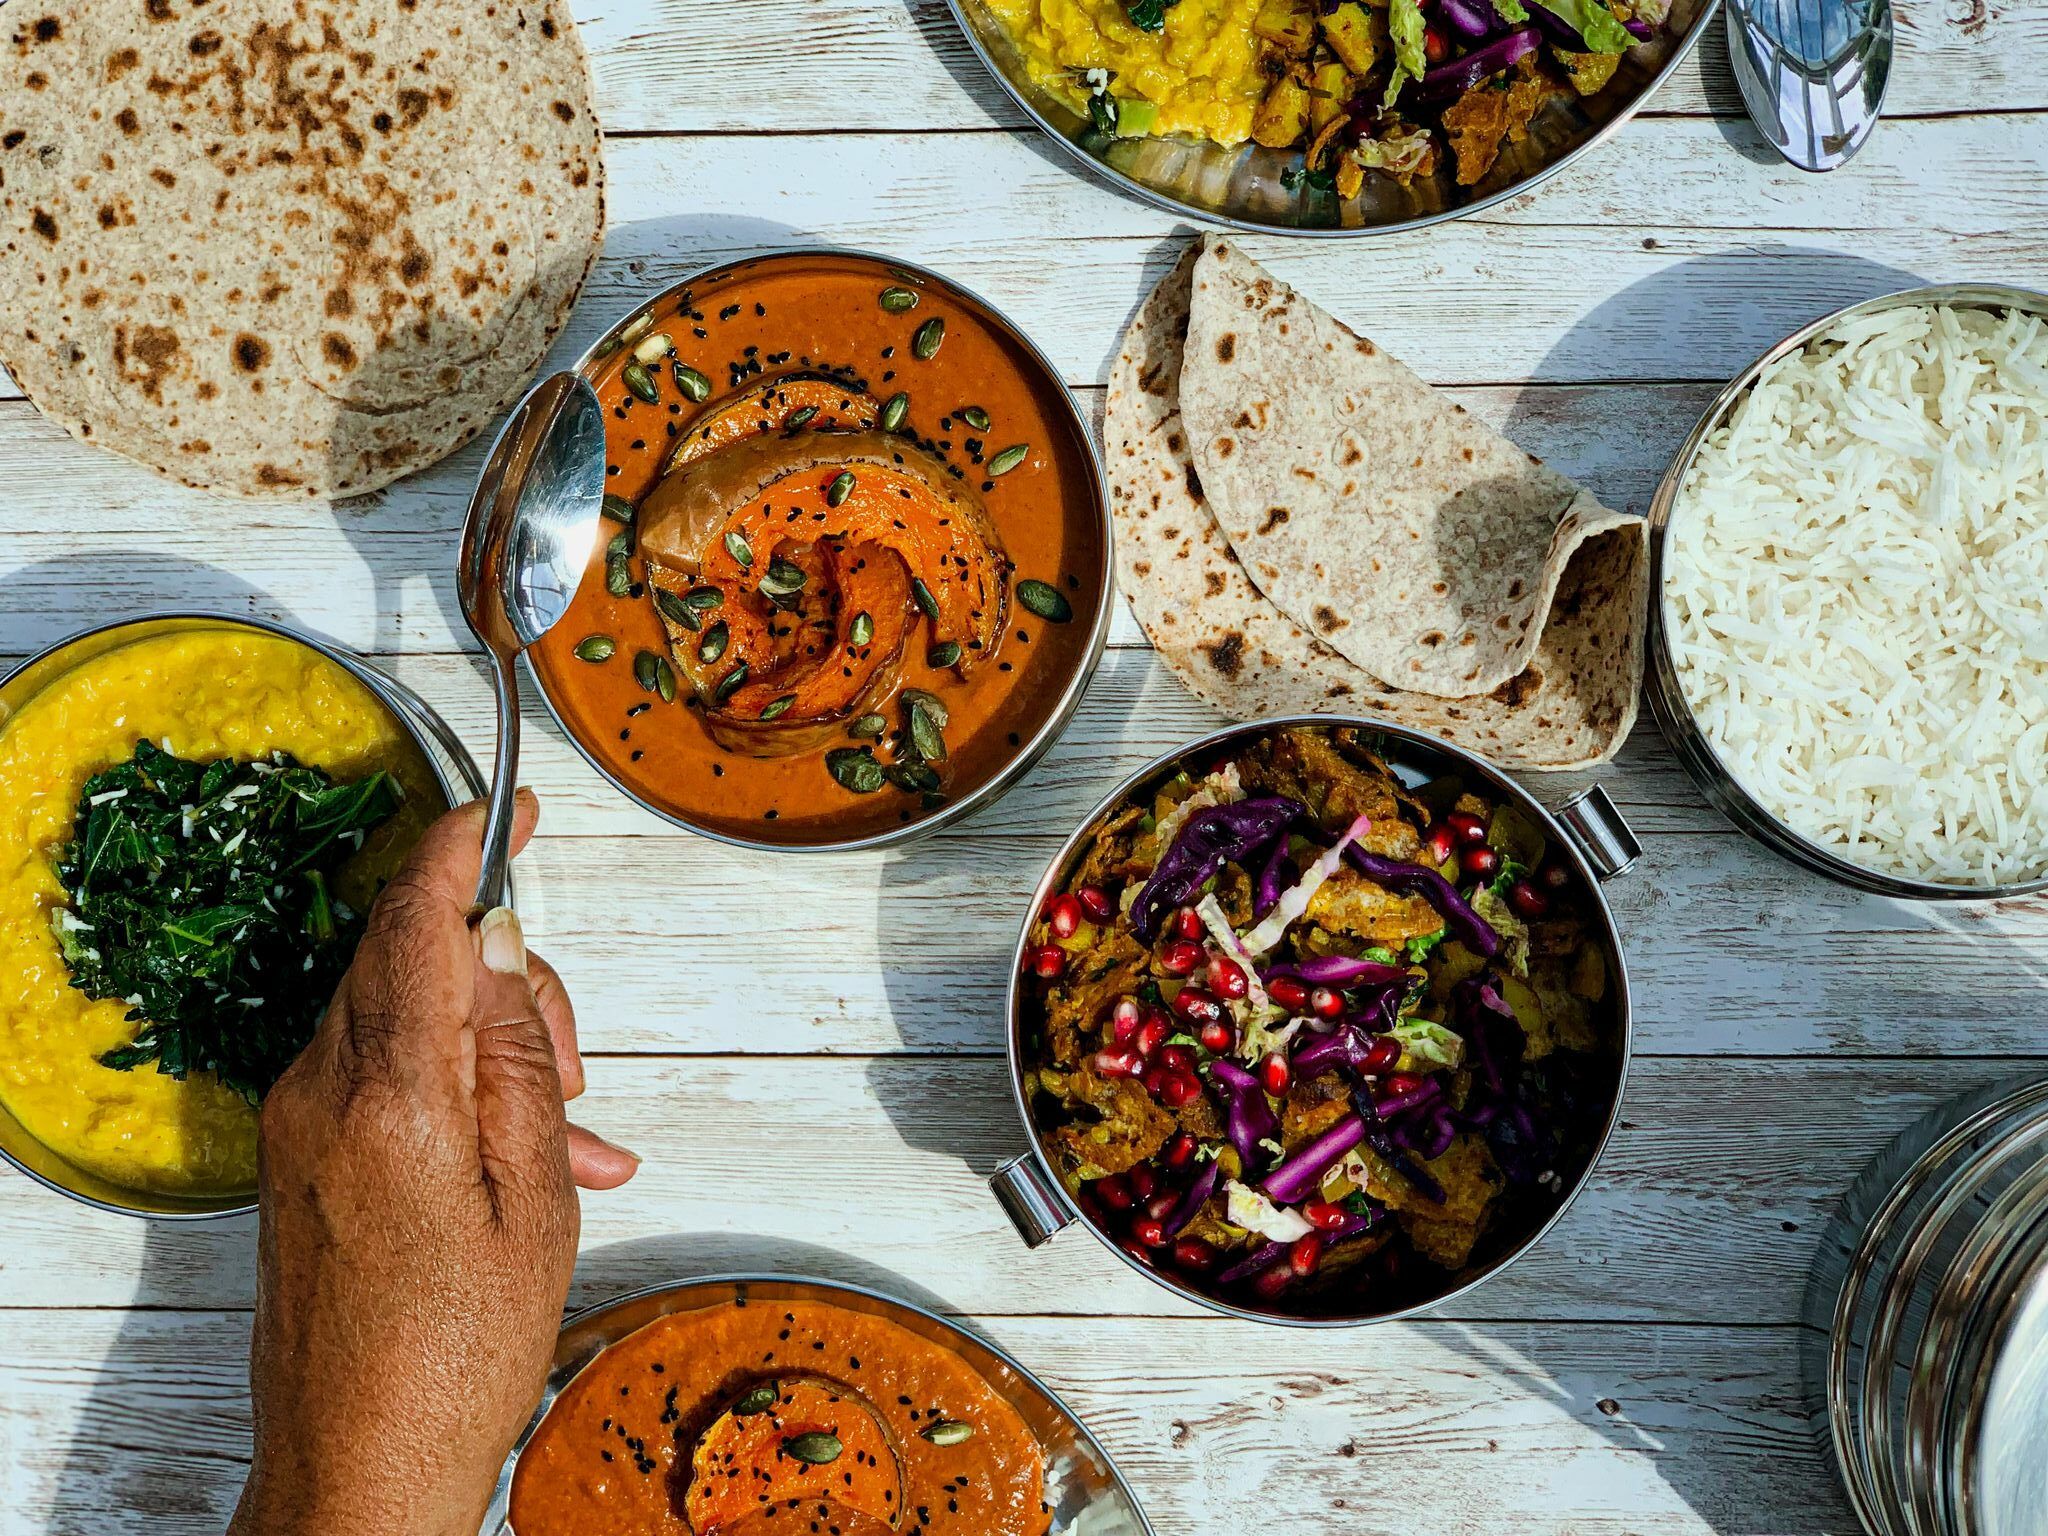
x: 1226, y: 655
x: 1226, y: 347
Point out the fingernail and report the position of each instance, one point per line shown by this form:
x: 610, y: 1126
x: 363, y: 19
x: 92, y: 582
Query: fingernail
x: 623, y: 1151
x: 500, y: 942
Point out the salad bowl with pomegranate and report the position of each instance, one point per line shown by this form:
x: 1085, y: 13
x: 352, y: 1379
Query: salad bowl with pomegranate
x: 1317, y: 1021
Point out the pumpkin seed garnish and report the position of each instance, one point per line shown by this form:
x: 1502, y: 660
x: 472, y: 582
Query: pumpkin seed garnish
x: 943, y: 656
x: 931, y: 703
x: 894, y: 409
x: 927, y: 604
x: 618, y: 509
x: 783, y: 579
x: 654, y: 348
x: 704, y: 599
x: 856, y: 769
x: 636, y: 327
x: 695, y: 387
x: 926, y: 736
x: 1045, y: 600
x: 866, y: 726
x: 899, y: 301
x: 910, y: 775
x: 621, y: 545
x: 975, y: 417
x: 618, y: 577
x: 676, y: 609
x: 596, y: 648
x: 645, y: 665
x: 737, y: 546
x: 862, y: 630
x: 729, y: 684
x: 817, y: 1448
x: 1008, y: 459
x: 640, y: 381
x: 607, y: 347
x: 712, y: 646
x: 760, y: 1400
x: 948, y: 1432
x: 778, y: 707
x: 924, y: 346
x: 664, y: 680
x: 800, y: 418
x: 840, y: 488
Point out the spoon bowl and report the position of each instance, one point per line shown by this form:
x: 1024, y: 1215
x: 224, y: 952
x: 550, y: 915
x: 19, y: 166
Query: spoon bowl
x: 531, y: 526
x: 1813, y: 73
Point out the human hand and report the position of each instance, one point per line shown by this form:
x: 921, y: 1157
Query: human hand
x: 419, y: 1216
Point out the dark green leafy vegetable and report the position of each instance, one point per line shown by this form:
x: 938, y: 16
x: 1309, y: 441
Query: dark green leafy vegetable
x: 1148, y: 15
x: 200, y: 896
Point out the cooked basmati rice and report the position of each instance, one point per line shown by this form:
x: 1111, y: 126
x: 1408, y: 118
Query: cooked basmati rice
x: 1855, y: 593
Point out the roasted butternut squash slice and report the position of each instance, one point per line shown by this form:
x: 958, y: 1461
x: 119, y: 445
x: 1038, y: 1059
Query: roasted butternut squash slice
x: 771, y: 406
x: 798, y: 1441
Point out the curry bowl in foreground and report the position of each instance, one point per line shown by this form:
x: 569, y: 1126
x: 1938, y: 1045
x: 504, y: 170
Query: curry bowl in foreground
x: 1318, y: 1020
x: 857, y: 573
x: 140, y: 1141
x: 953, y: 1385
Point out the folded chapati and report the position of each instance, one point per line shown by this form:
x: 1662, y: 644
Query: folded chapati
x: 1570, y: 705
x: 283, y: 250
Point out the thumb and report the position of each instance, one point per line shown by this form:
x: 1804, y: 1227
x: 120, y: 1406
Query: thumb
x: 522, y: 1134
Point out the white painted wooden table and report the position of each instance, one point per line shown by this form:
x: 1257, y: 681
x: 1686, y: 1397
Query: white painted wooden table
x: 830, y: 1100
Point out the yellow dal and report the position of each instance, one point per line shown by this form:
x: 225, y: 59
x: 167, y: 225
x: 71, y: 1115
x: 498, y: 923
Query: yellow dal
x: 205, y: 694
x: 1201, y: 71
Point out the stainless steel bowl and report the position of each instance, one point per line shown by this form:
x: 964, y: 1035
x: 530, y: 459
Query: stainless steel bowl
x: 1667, y: 694
x: 1022, y: 758
x: 1586, y: 828
x: 454, y: 769
x: 1242, y: 186
x: 1927, y: 1316
x: 1088, y: 1495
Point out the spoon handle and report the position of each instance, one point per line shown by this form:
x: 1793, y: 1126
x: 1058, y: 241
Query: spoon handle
x: 497, y: 856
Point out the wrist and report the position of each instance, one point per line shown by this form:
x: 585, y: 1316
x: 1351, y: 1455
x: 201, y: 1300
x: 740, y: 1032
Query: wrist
x: 293, y: 1505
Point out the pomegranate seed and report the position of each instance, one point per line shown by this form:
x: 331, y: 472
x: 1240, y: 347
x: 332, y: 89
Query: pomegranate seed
x: 1161, y: 1205
x: 1381, y: 1055
x: 1526, y: 900
x: 1481, y: 862
x: 1306, y: 1255
x: 1046, y: 961
x: 1149, y: 1231
x: 1439, y: 845
x: 1125, y: 1018
x: 1139, y: 1252
x: 1433, y: 45
x: 1323, y: 1216
x: 1275, y: 1074
x: 1064, y: 916
x: 1553, y: 874
x: 1123, y: 1063
x: 1198, y: 1005
x: 1096, y: 903
x: 1150, y: 1036
x: 1179, y: 957
x: 1113, y: 1191
x: 1187, y: 923
x: 1288, y: 993
x: 1193, y: 1253
x: 1466, y: 829
x: 1180, y: 1090
x: 1143, y: 1181
x: 1326, y: 1003
x: 1401, y: 1082
x: 1179, y: 1150
x: 1155, y: 1081
x: 1217, y: 1037
x: 1269, y: 1283
x: 1227, y: 978
x: 1177, y: 1058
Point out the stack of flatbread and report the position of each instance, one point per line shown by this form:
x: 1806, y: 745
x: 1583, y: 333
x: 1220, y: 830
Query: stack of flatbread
x: 281, y: 249
x: 1303, y: 525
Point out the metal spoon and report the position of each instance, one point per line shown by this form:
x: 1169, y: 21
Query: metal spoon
x: 528, y: 537
x: 1812, y: 72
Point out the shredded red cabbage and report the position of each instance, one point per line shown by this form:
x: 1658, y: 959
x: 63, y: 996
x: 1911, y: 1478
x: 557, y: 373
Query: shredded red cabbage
x: 1343, y: 1048
x: 1300, y: 1176
x: 1274, y: 878
x: 1460, y: 75
x: 1473, y: 931
x: 1378, y: 1138
x: 1197, y: 1196
x: 1261, y: 1259
x: 1340, y: 971
x: 1249, y: 1119
x: 1212, y: 837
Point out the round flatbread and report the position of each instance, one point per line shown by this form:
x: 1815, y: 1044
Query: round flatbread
x: 289, y: 250
x: 1232, y: 646
x: 1411, y: 538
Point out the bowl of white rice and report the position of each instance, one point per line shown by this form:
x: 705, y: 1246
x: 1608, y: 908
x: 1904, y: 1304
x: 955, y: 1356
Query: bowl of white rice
x: 1849, y: 644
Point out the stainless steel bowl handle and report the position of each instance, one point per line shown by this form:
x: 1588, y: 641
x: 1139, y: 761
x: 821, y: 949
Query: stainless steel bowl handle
x: 1598, y: 832
x: 1030, y: 1200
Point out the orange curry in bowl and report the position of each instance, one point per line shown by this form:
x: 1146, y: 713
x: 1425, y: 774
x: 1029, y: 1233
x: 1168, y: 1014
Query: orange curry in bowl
x: 772, y: 1419
x: 855, y: 552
